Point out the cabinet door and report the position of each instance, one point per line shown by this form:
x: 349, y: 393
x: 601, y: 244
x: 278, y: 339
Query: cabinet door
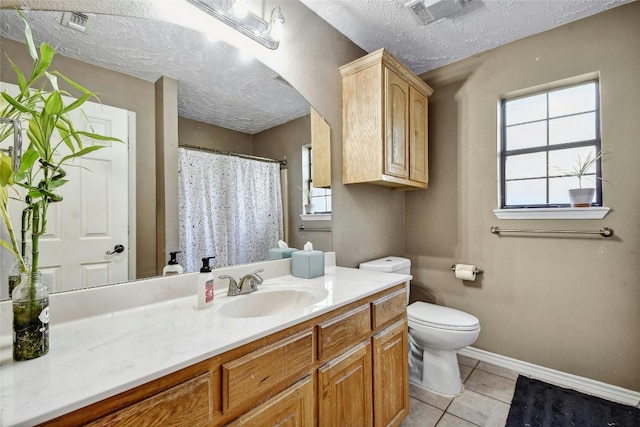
x: 321, y: 146
x: 391, y: 375
x: 396, y: 125
x: 292, y: 408
x: 345, y: 389
x: 418, y: 140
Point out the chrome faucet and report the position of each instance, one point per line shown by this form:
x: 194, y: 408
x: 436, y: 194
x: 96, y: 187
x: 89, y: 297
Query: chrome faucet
x: 248, y: 283
x: 233, y: 286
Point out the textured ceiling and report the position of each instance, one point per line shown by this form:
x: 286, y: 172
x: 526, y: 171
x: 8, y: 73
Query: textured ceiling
x: 374, y: 24
x: 217, y: 85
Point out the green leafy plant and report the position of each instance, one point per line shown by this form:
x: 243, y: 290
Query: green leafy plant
x: 307, y: 193
x: 49, y: 128
x: 53, y: 143
x: 581, y: 166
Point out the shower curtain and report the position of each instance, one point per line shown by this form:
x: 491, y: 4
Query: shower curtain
x: 229, y: 207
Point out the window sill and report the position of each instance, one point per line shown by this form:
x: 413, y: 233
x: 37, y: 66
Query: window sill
x: 553, y: 213
x: 315, y: 217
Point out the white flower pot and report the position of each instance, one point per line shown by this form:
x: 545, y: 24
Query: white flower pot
x: 581, y: 197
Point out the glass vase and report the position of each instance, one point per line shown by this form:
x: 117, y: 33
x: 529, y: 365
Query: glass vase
x: 30, y: 318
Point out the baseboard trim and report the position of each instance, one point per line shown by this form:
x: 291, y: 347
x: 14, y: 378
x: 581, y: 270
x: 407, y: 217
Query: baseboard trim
x: 562, y: 379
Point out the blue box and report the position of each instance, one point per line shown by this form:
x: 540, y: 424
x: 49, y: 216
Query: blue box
x: 307, y: 264
x: 280, y: 253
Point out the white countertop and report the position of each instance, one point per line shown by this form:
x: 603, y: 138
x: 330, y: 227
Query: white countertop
x: 93, y: 358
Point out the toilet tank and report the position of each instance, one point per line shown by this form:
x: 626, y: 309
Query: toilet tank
x: 390, y: 264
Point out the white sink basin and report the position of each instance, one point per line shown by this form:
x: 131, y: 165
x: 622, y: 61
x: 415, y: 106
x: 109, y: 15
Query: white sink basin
x: 273, y: 299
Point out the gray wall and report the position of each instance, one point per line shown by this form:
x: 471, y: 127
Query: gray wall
x: 571, y: 304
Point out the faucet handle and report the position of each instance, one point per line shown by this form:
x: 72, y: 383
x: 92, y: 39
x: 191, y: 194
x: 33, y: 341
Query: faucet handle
x: 233, y: 285
x: 257, y: 280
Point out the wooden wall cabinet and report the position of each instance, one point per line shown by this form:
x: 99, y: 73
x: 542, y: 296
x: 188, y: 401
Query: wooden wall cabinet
x: 385, y: 112
x: 321, y: 151
x: 346, y: 367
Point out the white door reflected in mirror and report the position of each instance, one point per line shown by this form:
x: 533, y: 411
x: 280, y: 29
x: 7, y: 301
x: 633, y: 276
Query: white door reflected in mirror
x: 93, y: 216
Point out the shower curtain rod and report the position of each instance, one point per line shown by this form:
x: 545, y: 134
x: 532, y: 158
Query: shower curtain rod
x: 229, y: 153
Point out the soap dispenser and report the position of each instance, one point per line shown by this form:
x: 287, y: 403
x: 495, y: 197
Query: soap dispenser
x: 172, y: 268
x: 205, y: 284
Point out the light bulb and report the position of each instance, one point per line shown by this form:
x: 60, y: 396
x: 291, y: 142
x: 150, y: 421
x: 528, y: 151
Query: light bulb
x: 277, y: 31
x: 241, y: 9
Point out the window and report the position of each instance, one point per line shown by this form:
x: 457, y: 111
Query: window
x: 321, y: 197
x: 542, y: 136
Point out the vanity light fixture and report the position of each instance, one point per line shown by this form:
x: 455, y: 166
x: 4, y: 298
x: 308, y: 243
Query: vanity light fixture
x: 268, y: 34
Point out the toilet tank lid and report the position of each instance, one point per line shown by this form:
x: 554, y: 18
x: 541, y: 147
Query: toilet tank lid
x: 387, y: 264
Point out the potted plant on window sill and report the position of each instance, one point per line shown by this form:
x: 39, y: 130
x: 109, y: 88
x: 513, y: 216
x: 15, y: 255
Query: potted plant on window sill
x: 307, y: 194
x: 54, y: 142
x: 583, y: 196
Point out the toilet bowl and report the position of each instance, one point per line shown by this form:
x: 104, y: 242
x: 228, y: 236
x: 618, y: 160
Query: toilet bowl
x: 435, y: 334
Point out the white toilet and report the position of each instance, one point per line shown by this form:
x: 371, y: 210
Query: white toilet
x: 435, y: 334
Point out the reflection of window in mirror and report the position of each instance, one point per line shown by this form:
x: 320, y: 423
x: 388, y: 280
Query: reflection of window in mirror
x: 320, y: 197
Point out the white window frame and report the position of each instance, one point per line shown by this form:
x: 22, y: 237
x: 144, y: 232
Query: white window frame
x: 320, y: 194
x: 547, y: 211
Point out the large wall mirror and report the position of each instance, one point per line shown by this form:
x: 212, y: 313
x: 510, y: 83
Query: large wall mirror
x: 226, y: 101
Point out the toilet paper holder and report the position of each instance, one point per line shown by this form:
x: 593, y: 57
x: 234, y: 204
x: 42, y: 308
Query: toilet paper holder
x: 476, y: 270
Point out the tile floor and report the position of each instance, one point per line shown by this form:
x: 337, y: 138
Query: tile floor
x: 485, y: 402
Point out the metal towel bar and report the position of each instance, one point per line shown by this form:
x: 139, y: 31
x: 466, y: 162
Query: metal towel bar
x: 303, y: 228
x: 604, y: 231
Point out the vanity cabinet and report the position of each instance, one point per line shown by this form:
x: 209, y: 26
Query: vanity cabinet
x: 345, y: 367
x: 385, y: 125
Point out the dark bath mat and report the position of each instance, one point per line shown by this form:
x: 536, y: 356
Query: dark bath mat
x: 538, y: 404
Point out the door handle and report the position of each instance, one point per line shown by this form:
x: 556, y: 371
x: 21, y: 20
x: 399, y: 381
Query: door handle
x: 116, y: 250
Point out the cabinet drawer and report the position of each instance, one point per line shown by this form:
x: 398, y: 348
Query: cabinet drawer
x: 292, y: 407
x: 264, y: 372
x: 389, y: 308
x: 340, y: 333
x: 188, y: 404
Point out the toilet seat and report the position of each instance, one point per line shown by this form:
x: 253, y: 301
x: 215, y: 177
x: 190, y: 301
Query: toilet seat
x: 439, y: 317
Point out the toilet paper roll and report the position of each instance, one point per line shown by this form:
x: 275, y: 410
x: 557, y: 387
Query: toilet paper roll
x: 466, y: 272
